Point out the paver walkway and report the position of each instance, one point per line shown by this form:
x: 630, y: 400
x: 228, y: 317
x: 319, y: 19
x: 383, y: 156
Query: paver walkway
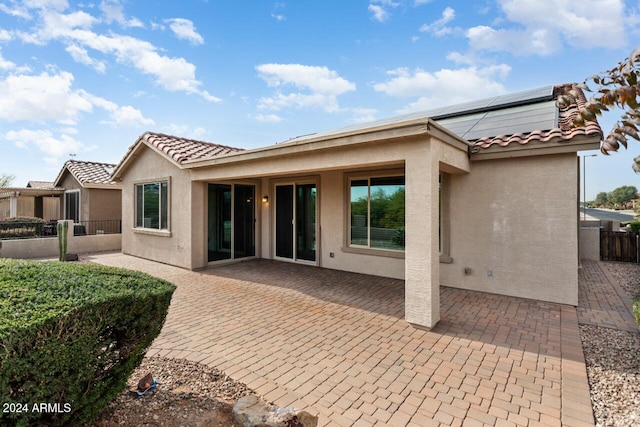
x: 336, y: 343
x: 601, y: 301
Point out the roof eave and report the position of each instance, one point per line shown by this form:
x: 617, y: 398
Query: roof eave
x: 133, y: 153
x: 538, y: 148
x: 402, y: 131
x: 29, y: 191
x: 103, y: 186
x: 56, y: 182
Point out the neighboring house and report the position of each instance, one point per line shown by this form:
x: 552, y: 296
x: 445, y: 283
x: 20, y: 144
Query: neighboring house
x: 38, y: 199
x: 481, y: 196
x: 89, y: 192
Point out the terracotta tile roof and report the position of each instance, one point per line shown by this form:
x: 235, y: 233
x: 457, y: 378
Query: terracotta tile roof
x: 87, y: 173
x: 175, y: 148
x: 183, y: 149
x: 562, y: 132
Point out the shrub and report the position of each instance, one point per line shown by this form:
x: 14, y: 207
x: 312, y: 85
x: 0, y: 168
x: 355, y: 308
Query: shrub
x: 71, y: 334
x: 21, y: 227
x: 635, y: 227
x: 24, y: 219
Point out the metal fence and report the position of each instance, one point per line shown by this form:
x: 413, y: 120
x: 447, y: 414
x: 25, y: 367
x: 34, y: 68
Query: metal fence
x: 34, y: 229
x: 24, y: 230
x: 108, y: 226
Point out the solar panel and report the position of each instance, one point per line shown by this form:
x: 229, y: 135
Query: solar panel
x: 519, y: 112
x: 506, y: 121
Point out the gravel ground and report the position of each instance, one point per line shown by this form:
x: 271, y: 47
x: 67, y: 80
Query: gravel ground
x: 627, y: 275
x: 187, y: 395
x: 613, y: 365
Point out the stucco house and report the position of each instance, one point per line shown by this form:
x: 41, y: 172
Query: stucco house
x: 39, y: 199
x: 90, y: 195
x: 481, y: 196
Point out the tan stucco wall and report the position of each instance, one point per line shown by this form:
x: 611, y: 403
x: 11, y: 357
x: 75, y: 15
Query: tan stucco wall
x: 96, y: 204
x: 102, y: 204
x: 173, y: 247
x: 590, y: 243
x: 518, y: 218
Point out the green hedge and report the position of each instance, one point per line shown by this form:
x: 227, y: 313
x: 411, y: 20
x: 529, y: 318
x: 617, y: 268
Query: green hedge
x: 21, y: 227
x: 70, y: 336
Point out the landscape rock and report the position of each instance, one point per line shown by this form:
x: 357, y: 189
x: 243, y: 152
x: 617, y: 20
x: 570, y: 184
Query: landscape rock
x: 145, y: 382
x: 251, y: 411
x: 71, y: 257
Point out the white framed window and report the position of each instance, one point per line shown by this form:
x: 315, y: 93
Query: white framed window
x: 444, y: 225
x: 377, y: 212
x: 152, y: 205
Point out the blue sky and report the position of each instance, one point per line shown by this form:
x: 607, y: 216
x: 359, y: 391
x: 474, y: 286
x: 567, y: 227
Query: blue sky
x: 87, y: 78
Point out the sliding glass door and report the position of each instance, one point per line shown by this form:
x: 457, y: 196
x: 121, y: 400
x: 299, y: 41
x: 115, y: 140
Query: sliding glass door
x: 295, y: 222
x: 231, y: 221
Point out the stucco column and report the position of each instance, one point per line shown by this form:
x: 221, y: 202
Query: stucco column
x: 13, y: 206
x: 422, y: 265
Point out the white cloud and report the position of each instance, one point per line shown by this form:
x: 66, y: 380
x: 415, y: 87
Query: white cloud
x: 19, y: 11
x: 54, y: 147
x: 5, y: 64
x: 540, y: 42
x: 380, y: 9
x: 5, y: 35
x: 363, y: 115
x: 280, y: 101
x: 47, y: 4
x: 318, y: 86
x: 417, y: 3
x: 75, y: 29
x: 460, y: 58
x: 42, y: 97
x: 50, y: 97
x: 185, y: 131
x: 543, y: 27
x: 81, y: 56
x: 315, y: 78
x: 379, y: 14
x: 114, y: 12
x: 128, y: 116
x: 267, y: 118
x: 185, y: 30
x: 439, y: 28
x: 278, y: 16
x: 445, y: 86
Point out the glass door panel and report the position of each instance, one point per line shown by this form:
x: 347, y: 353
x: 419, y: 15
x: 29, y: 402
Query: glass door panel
x: 284, y: 221
x: 306, y: 222
x: 244, y: 221
x: 219, y: 222
x: 296, y: 221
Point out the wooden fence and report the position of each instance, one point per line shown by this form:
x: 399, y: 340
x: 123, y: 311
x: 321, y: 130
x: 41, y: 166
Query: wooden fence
x: 619, y: 246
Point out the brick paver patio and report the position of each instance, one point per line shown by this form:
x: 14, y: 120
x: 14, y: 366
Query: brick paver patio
x: 336, y: 344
